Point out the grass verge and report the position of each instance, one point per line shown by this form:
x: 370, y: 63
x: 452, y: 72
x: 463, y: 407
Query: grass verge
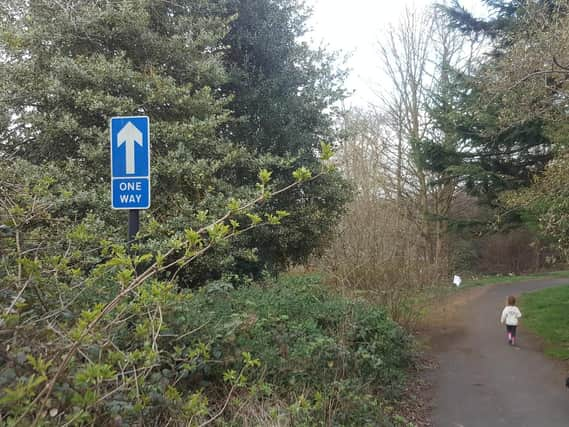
x: 430, y: 298
x: 545, y: 314
x: 497, y: 279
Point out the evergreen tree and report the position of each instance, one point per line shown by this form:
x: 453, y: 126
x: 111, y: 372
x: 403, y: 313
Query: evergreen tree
x: 71, y: 66
x: 283, y: 95
x: 504, y: 17
x: 68, y: 67
x: 488, y: 158
x: 492, y: 156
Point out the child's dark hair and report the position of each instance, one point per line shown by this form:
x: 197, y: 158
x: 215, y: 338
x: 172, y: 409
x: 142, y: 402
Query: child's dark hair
x: 511, y: 300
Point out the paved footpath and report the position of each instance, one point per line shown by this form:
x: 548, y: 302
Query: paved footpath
x: 482, y: 381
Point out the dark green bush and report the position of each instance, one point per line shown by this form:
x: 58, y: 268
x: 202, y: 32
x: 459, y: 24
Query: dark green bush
x: 302, y: 333
x: 289, y: 350
x: 91, y: 337
x: 306, y: 337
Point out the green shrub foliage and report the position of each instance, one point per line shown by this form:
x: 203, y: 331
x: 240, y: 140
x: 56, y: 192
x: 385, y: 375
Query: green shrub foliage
x: 304, y: 335
x: 223, y: 104
x: 103, y: 346
x: 171, y: 330
x: 93, y: 335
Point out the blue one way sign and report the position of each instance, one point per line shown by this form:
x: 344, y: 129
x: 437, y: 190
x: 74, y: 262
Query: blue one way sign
x: 130, y: 162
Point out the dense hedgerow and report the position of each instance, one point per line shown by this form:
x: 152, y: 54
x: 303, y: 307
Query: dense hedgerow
x: 287, y: 352
x: 304, y: 335
x: 93, y: 335
x: 323, y: 359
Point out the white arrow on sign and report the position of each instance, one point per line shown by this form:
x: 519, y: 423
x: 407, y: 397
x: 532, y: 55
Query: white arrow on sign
x: 129, y: 135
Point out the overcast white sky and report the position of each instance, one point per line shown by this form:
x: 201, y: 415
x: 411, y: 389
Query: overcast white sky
x: 355, y: 26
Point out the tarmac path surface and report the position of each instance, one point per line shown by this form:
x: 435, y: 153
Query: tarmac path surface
x: 481, y: 380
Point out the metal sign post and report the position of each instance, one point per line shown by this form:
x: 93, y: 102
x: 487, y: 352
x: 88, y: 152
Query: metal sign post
x: 130, y: 168
x: 133, y: 224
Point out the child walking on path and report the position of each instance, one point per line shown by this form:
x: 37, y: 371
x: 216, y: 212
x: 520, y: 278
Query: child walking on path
x: 510, y: 316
